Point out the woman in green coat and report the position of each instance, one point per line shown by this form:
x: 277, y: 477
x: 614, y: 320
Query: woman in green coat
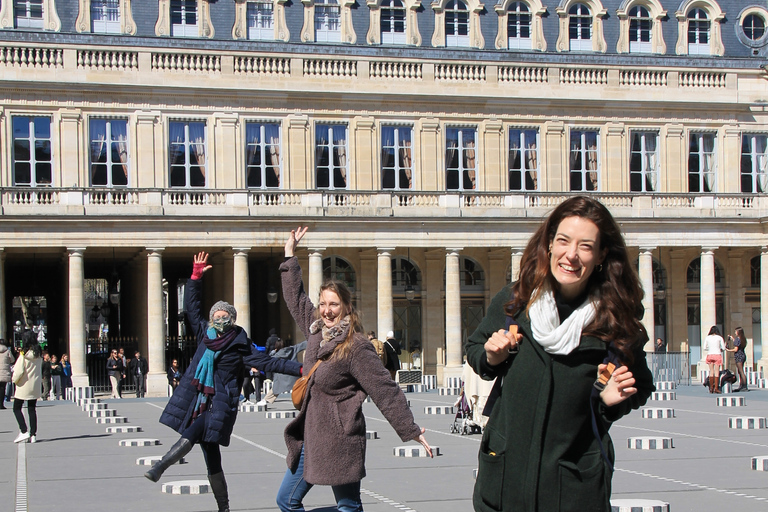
x: 575, y: 307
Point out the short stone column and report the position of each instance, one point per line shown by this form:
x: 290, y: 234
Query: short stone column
x: 315, y: 274
x: 386, y: 319
x: 157, y: 380
x: 77, y: 317
x: 453, y: 359
x: 242, y: 294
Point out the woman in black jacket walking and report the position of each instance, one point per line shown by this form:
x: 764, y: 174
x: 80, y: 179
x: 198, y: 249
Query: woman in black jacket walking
x: 203, y: 409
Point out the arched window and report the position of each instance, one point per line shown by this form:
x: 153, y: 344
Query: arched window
x: 327, y: 22
x: 580, y: 28
x: 698, y: 32
x: 405, y: 275
x: 392, y: 22
x: 456, y: 24
x: 472, y: 275
x: 754, y: 272
x: 518, y: 26
x: 339, y: 269
x: 693, y: 274
x: 640, y: 27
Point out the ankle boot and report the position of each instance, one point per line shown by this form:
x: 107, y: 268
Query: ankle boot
x: 174, y: 455
x: 219, y: 488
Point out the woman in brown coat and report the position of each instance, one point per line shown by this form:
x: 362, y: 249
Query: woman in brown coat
x: 326, y: 441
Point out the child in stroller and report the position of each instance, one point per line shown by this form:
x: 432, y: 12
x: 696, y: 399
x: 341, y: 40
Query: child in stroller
x: 463, y: 423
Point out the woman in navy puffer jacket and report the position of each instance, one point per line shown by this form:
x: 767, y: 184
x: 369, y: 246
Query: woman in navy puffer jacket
x: 203, y: 409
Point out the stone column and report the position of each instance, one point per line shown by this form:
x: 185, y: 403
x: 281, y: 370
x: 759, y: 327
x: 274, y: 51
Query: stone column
x: 315, y: 274
x: 763, y: 364
x: 77, y: 317
x: 453, y: 352
x: 242, y: 296
x: 3, y: 318
x: 708, y: 313
x: 646, y: 281
x: 157, y: 381
x: 517, y: 258
x: 385, y: 316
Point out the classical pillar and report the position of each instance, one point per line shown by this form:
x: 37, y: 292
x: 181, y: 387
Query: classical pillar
x: 453, y: 352
x: 645, y: 269
x: 315, y: 274
x: 77, y: 317
x: 763, y: 364
x: 386, y: 318
x: 708, y: 313
x: 157, y: 381
x: 242, y: 283
x: 517, y: 258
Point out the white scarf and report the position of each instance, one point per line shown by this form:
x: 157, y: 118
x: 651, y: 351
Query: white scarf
x: 555, y: 337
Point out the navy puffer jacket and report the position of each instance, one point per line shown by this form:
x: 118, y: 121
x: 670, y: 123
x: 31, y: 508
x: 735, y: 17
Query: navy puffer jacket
x: 228, y: 376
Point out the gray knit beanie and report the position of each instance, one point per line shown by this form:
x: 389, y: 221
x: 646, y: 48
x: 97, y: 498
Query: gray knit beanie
x: 223, y: 306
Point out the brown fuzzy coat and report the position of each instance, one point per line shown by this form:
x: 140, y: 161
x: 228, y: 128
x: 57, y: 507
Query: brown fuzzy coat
x: 330, y: 424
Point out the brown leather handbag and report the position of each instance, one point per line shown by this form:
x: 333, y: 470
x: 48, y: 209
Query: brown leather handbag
x: 300, y: 387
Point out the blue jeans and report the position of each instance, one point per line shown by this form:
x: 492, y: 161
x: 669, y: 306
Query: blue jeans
x: 294, y: 488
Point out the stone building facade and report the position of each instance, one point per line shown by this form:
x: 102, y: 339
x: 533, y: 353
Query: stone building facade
x: 421, y: 142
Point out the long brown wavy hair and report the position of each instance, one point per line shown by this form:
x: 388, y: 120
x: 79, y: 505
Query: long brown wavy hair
x: 617, y: 286
x: 347, y: 309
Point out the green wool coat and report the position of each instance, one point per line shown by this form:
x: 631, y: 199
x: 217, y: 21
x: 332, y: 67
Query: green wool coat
x: 538, y: 451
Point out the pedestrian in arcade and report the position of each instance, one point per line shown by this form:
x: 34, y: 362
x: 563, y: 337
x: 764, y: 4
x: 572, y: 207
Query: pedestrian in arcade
x: 203, y: 409
x: 28, y: 378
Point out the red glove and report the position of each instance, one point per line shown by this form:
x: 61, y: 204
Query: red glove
x: 197, y: 270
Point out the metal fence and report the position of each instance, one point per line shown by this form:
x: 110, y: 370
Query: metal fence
x: 670, y: 366
x: 180, y: 348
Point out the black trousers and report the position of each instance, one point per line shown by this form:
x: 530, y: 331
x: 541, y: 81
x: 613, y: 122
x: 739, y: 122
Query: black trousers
x: 31, y: 412
x: 140, y: 388
x: 211, y: 451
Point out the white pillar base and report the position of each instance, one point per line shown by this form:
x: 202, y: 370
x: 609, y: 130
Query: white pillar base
x: 157, y: 384
x: 451, y: 371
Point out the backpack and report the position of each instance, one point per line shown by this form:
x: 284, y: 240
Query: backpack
x: 378, y: 345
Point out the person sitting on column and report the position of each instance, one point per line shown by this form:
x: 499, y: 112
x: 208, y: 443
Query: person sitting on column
x: 203, y: 409
x: 393, y: 351
x: 139, y: 368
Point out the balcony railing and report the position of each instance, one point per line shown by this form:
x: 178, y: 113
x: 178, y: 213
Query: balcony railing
x: 164, y: 203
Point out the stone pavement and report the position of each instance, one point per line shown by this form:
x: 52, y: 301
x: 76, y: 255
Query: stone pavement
x: 77, y: 466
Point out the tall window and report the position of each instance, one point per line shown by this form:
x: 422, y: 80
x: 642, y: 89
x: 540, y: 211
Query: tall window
x: 460, y: 158
x: 187, y: 154
x: 580, y: 28
x: 698, y: 32
x: 584, y: 162
x: 640, y: 25
x: 109, y: 152
x: 753, y: 27
x: 327, y: 21
x: 261, y: 20
x: 701, y: 162
x: 396, y: 158
x: 392, y: 22
x: 28, y: 13
x: 518, y: 26
x: 262, y: 155
x: 754, y: 162
x: 331, y: 156
x: 644, y: 162
x: 184, y: 18
x: 105, y: 16
x: 32, y: 158
x: 456, y: 24
x: 339, y: 269
x: 523, y: 160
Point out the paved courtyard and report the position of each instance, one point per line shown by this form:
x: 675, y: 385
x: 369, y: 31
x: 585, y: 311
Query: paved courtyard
x: 77, y: 466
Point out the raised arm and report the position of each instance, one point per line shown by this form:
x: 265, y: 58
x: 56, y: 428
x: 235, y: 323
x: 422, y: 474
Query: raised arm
x: 193, y: 295
x: 298, y: 302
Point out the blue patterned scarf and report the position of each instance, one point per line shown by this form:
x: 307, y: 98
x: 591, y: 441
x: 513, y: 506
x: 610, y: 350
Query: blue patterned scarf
x: 204, y: 372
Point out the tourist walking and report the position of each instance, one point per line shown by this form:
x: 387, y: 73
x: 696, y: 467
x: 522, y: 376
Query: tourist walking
x: 28, y: 378
x: 326, y: 441
x: 203, y: 409
x: 115, y: 372
x: 575, y: 307
x: 714, y: 346
x: 6, y: 364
